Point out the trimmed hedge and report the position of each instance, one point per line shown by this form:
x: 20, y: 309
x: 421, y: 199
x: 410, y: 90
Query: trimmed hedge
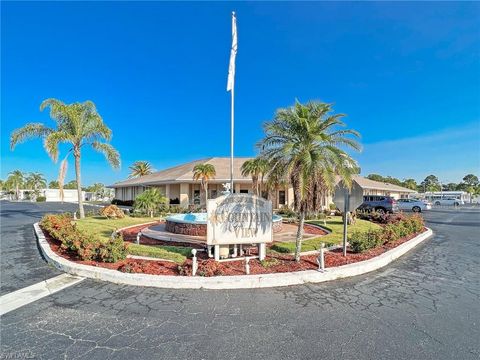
x: 397, y: 226
x: 86, y: 246
x: 41, y: 199
x: 122, y: 202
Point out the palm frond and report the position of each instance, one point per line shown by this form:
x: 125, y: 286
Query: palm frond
x: 111, y: 154
x: 30, y: 130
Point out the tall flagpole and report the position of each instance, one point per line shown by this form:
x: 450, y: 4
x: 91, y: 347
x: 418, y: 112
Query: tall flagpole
x: 232, y: 124
x: 230, y: 87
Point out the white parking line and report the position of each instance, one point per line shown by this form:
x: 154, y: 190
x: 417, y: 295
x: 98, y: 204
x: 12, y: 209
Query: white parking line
x: 29, y: 294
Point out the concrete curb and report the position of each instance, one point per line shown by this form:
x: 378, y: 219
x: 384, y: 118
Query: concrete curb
x: 225, y: 282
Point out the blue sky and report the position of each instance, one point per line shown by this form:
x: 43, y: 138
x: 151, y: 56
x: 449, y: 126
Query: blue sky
x: 407, y: 75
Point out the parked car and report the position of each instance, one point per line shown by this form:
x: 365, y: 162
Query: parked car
x: 413, y: 205
x: 379, y: 203
x: 449, y: 201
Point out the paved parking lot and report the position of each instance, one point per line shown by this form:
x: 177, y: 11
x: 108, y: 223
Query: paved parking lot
x: 423, y: 306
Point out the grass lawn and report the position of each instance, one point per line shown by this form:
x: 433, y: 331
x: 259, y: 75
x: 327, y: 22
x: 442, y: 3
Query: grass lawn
x: 335, y: 225
x: 103, y: 228
x: 174, y: 253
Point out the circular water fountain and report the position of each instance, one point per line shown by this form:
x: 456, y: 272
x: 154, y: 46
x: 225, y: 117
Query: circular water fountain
x: 195, y: 224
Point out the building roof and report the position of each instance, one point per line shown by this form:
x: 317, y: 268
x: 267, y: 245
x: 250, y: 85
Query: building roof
x: 184, y: 173
x: 378, y: 185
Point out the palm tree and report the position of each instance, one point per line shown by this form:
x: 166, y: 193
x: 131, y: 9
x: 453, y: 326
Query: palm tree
x: 78, y: 124
x: 36, y: 181
x: 410, y: 184
x: 256, y: 168
x: 204, y: 172
x: 16, y: 180
x: 251, y: 168
x: 140, y: 168
x: 53, y: 184
x: 149, y: 200
x: 303, y: 144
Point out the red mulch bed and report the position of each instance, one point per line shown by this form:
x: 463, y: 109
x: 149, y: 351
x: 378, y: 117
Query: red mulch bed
x: 275, y: 263
x: 315, y: 230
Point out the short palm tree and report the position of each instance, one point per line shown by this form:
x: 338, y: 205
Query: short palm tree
x: 36, y: 181
x: 303, y: 144
x: 256, y: 168
x: 149, y: 200
x: 140, y: 168
x: 15, y: 180
x: 204, y: 173
x: 78, y: 124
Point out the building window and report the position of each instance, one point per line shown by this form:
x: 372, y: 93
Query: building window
x: 243, y: 191
x: 213, y: 194
x: 196, y: 197
x: 281, y: 197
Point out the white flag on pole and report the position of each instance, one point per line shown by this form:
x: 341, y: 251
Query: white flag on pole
x: 233, y: 54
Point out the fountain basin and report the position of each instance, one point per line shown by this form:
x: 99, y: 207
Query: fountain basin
x: 195, y: 224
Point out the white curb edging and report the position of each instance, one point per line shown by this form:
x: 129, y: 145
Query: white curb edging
x: 225, y: 282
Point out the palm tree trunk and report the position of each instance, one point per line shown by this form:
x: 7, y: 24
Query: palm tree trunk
x: 298, y: 240
x: 17, y: 192
x: 76, y: 154
x: 206, y: 195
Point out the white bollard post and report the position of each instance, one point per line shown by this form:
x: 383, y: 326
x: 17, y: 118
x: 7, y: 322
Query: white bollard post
x: 194, y: 262
x: 247, y: 266
x: 262, y: 250
x: 138, y: 238
x: 321, y: 258
x: 75, y: 215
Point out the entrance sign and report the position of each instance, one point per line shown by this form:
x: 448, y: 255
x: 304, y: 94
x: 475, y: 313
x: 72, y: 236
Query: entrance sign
x: 354, y: 196
x: 239, y: 219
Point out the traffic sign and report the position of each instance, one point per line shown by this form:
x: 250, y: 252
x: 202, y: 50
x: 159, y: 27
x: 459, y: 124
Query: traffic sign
x: 354, y: 199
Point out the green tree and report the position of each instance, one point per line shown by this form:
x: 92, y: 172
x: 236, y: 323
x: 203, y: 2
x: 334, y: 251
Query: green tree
x: 303, y: 144
x: 15, y: 180
x: 140, y: 168
x: 71, y: 185
x: 449, y: 187
x: 2, y: 184
x: 149, y: 200
x: 254, y: 168
x: 78, y: 124
x: 204, y: 173
x: 471, y: 180
x: 376, y: 177
x: 430, y: 183
x: 53, y: 184
x: 410, y: 184
x: 36, y: 181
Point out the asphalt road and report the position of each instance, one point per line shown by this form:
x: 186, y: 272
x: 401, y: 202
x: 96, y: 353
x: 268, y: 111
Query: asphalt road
x: 423, y: 306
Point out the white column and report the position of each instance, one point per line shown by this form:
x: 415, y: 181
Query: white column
x: 184, y: 197
x: 167, y: 191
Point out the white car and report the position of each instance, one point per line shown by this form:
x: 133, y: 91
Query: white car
x: 448, y: 201
x: 413, y: 205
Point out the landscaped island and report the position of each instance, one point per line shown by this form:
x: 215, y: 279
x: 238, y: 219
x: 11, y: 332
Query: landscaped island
x: 110, y: 242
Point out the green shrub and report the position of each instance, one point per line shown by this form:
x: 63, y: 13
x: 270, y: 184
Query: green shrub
x: 113, y: 250
x: 41, y: 199
x: 364, y: 240
x: 397, y: 226
x: 269, y: 262
x: 84, y: 245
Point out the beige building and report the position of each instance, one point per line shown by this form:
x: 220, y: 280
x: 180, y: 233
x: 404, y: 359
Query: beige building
x: 177, y: 184
x: 371, y: 187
